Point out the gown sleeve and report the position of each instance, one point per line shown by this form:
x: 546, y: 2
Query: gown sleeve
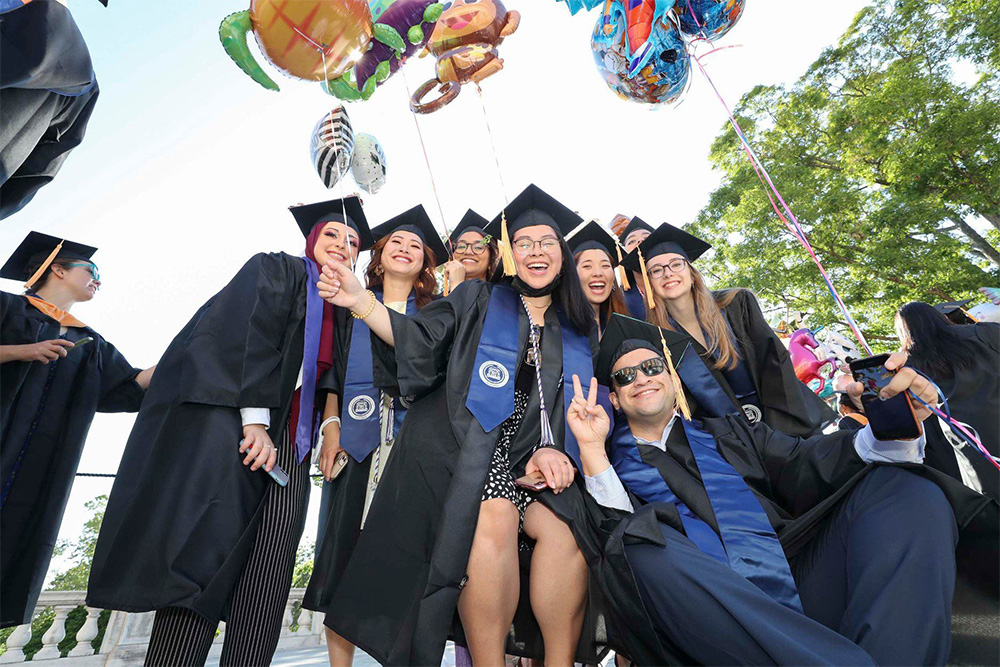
x: 233, y: 357
x: 803, y: 471
x: 417, y: 364
x: 119, y: 390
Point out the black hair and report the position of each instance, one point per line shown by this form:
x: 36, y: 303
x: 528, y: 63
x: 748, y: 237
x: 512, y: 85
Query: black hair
x: 570, y: 293
x: 934, y: 345
x: 44, y: 278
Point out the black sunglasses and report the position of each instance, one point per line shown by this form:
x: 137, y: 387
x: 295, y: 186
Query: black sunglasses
x: 650, y: 368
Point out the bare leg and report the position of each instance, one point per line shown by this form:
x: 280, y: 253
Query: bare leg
x: 341, y: 651
x: 558, y: 584
x: 489, y: 599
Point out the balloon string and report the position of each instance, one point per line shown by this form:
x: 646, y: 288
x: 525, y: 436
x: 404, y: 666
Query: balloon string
x: 423, y: 147
x: 956, y: 426
x: 343, y: 205
x: 493, y: 145
x: 790, y: 222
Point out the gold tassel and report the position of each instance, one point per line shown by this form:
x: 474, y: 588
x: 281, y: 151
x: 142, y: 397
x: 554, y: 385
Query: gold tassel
x: 645, y: 281
x: 622, y: 273
x: 506, y: 252
x: 45, y: 265
x: 681, y: 399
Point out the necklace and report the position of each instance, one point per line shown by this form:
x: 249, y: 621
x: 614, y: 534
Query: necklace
x: 536, y: 353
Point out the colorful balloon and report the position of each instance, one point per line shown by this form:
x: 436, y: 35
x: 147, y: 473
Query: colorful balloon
x: 465, y: 41
x: 808, y: 367
x: 640, y: 62
x: 314, y: 40
x: 710, y: 19
x: 368, y: 165
x: 332, y: 146
x: 401, y: 28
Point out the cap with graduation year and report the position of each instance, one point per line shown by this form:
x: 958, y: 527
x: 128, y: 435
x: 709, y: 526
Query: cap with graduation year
x: 37, y: 251
x: 636, y: 225
x: 625, y: 334
x: 309, y: 215
x: 594, y: 237
x: 415, y: 221
x: 667, y: 239
x: 470, y: 222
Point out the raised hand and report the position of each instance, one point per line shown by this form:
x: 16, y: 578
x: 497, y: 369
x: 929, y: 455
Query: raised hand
x: 906, y: 379
x: 587, y: 420
x: 339, y: 286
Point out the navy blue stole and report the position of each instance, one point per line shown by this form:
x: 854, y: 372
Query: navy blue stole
x: 491, y: 387
x: 635, y: 302
x: 360, y: 433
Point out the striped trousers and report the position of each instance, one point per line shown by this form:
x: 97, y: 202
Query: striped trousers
x: 182, y: 637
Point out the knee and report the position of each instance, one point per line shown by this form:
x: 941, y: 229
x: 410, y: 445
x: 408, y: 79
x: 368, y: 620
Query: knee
x: 549, y: 530
x: 497, y: 526
x: 922, y: 512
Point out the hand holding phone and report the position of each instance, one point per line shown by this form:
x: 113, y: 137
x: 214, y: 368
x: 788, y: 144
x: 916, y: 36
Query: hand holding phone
x: 82, y: 342
x: 532, y: 482
x: 885, y: 398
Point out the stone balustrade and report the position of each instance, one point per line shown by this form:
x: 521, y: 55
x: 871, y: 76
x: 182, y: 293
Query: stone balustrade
x: 127, y: 635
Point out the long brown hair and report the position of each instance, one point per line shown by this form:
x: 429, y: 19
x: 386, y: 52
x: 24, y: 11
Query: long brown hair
x: 708, y: 307
x: 614, y: 303
x: 426, y: 281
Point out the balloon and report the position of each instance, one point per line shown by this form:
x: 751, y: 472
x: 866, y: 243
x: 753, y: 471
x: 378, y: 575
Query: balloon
x: 710, y: 19
x: 315, y: 40
x: 465, y: 41
x: 332, y: 146
x: 401, y: 28
x: 807, y: 366
x: 369, y: 164
x: 576, y: 5
x: 640, y: 62
x: 986, y: 312
x: 839, y: 346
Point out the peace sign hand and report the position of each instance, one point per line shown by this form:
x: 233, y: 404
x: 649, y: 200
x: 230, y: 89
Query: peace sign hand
x: 587, y: 420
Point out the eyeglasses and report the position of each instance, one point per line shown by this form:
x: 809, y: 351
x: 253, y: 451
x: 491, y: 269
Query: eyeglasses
x: 650, y: 368
x: 525, y: 246
x: 675, y: 266
x: 90, y: 266
x: 476, y: 248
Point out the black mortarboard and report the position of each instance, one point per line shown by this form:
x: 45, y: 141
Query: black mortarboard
x: 309, y: 215
x: 470, y: 222
x: 666, y: 239
x: 634, y: 226
x: 37, y: 251
x: 955, y: 311
x: 536, y: 207
x: 593, y: 237
x: 417, y: 222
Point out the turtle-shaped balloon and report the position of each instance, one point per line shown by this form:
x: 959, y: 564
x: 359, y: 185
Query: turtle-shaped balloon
x: 314, y: 40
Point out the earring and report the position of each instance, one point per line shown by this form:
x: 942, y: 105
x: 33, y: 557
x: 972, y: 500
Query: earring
x: 379, y: 270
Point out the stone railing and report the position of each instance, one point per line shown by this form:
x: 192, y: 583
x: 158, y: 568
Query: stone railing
x: 127, y: 635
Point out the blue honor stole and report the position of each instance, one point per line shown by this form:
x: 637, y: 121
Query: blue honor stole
x: 635, y: 302
x: 360, y: 433
x: 491, y: 387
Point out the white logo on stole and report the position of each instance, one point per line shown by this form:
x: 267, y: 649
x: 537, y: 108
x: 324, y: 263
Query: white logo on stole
x: 493, y: 374
x: 752, y: 413
x: 361, y: 407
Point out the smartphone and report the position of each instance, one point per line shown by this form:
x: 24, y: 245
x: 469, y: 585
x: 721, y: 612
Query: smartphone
x: 533, y: 482
x: 82, y: 342
x: 339, y: 464
x: 891, y: 418
x: 279, y: 476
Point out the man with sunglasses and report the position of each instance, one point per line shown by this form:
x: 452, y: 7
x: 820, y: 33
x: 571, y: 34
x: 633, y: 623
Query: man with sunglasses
x: 748, y: 546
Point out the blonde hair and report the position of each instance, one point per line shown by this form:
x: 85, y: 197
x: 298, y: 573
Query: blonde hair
x: 708, y: 307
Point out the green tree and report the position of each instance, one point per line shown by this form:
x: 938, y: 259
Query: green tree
x: 890, y: 161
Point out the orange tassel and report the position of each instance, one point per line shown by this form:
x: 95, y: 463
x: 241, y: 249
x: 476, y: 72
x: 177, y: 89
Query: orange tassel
x: 681, y: 399
x: 622, y: 273
x: 645, y: 281
x: 45, y: 265
x: 506, y: 252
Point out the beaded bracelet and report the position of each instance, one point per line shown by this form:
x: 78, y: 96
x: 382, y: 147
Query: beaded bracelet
x: 371, y: 307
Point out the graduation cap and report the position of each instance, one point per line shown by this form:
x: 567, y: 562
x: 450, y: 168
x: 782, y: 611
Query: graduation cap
x: 625, y: 334
x: 661, y: 241
x: 37, y: 252
x: 415, y: 221
x: 470, y: 222
x: 309, y: 215
x: 593, y: 237
x: 532, y: 207
x: 637, y: 224
x: 955, y: 311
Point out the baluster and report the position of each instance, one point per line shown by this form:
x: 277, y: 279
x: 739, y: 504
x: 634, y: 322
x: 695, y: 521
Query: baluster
x: 286, y: 620
x: 87, y: 634
x: 317, y: 626
x: 15, y: 644
x: 305, y: 621
x: 55, y: 634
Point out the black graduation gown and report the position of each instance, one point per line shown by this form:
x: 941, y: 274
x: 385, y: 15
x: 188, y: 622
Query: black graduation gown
x: 974, y: 393
x: 397, y: 598
x: 184, y: 510
x: 44, y: 443
x: 789, y: 405
x: 47, y: 93
x: 798, y: 483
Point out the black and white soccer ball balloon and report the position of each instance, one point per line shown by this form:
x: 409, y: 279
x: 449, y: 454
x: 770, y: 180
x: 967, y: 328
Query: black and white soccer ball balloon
x: 369, y: 164
x: 332, y: 146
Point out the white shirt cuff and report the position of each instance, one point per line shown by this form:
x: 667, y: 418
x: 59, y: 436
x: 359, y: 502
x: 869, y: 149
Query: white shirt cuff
x: 888, y: 451
x: 608, y: 490
x: 260, y: 416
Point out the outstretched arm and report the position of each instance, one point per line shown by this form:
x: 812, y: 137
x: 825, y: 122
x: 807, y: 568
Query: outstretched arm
x: 339, y: 286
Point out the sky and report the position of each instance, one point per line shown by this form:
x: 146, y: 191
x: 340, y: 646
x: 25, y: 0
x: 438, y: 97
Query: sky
x: 188, y: 166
